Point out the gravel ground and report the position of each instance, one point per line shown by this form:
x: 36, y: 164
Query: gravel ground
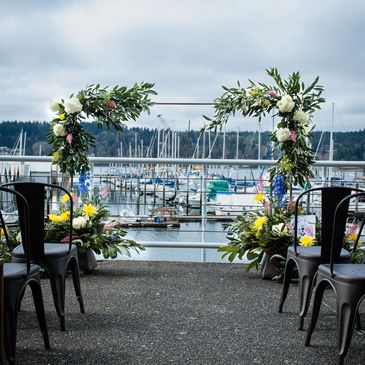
x: 179, y: 313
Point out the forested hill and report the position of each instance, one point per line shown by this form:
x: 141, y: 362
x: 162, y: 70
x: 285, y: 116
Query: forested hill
x: 348, y: 146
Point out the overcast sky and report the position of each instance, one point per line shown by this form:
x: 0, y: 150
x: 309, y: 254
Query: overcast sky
x: 188, y: 48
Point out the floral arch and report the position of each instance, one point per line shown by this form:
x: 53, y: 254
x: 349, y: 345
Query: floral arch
x: 294, y: 104
x: 108, y: 106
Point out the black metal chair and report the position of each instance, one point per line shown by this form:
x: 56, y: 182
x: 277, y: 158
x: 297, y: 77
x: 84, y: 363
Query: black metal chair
x: 16, y: 278
x: 348, y: 282
x: 55, y: 258
x: 307, y: 259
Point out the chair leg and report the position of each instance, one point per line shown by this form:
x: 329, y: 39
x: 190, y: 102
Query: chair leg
x: 286, y: 283
x: 358, y: 321
x: 20, y: 299
x: 76, y: 280
x: 57, y: 280
x: 318, y: 295
x: 39, y: 307
x: 305, y: 290
x: 346, y: 314
x: 10, y: 330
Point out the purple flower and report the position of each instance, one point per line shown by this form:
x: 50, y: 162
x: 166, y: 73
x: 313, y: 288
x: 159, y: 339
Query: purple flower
x: 84, y: 181
x: 279, y: 188
x: 293, y: 136
x: 272, y: 93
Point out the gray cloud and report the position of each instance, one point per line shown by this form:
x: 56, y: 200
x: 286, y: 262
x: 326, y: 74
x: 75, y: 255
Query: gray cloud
x: 188, y: 49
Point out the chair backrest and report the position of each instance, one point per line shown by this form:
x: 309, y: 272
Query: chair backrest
x: 337, y: 222
x: 24, y: 212
x: 331, y: 196
x: 35, y: 194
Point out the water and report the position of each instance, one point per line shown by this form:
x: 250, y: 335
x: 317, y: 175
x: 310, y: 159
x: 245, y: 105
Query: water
x: 188, y: 232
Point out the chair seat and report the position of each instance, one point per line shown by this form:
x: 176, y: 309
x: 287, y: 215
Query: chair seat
x: 51, y: 250
x: 313, y: 253
x: 350, y: 273
x: 15, y: 270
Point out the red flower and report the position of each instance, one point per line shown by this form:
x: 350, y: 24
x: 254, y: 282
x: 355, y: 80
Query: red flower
x: 69, y: 138
x: 66, y: 239
x: 104, y: 192
x: 112, y: 104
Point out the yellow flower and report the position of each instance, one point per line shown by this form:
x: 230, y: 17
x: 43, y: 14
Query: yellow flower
x: 2, y: 232
x: 306, y: 241
x: 65, y: 198
x: 352, y: 236
x: 56, y: 156
x: 259, y: 223
x: 255, y: 92
x: 65, y: 215
x: 62, y: 116
x: 55, y: 218
x: 265, y: 103
x: 89, y: 210
x: 286, y: 164
x: 259, y: 197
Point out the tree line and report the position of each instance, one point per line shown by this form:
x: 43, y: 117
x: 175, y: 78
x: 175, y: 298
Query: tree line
x: 348, y: 146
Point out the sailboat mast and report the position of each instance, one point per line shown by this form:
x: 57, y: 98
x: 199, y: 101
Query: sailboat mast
x: 237, y: 142
x: 224, y: 143
x: 331, y: 133
x: 21, y: 143
x: 330, y: 157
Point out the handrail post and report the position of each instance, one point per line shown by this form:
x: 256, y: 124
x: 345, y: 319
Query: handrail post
x: 204, y: 209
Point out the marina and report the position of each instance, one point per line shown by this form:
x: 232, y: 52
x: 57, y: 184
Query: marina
x: 189, y: 204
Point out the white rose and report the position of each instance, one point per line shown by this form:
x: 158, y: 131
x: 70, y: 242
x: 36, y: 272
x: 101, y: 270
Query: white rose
x: 79, y: 222
x: 279, y: 229
x: 301, y: 117
x: 285, y: 104
x: 73, y: 105
x: 19, y: 237
x: 59, y: 130
x: 54, y: 105
x: 283, y: 134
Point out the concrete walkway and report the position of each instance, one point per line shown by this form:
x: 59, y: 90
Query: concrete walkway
x: 179, y: 313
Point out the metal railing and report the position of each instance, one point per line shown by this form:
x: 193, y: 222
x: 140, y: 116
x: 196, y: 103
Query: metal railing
x: 159, y: 208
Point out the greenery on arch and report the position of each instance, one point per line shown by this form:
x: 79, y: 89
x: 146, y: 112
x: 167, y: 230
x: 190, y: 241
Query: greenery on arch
x: 108, y: 106
x: 293, y: 103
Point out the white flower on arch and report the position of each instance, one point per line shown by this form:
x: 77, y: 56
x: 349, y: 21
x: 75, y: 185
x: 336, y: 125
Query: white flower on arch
x: 73, y: 105
x: 285, y: 104
x: 283, y: 134
x: 301, y: 117
x: 59, y: 130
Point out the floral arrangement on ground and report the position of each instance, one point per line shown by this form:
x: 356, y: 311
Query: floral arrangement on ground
x: 267, y: 230
x: 270, y: 231
x: 90, y: 229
